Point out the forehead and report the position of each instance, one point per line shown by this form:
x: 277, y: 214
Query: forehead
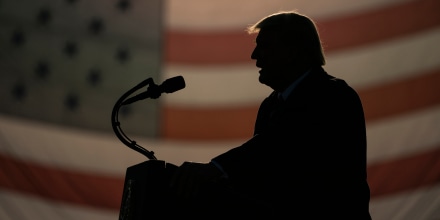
x: 266, y: 36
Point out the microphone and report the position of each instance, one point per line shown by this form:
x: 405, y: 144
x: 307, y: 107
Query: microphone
x: 154, y: 91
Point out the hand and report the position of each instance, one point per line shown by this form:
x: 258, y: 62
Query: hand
x: 190, y: 177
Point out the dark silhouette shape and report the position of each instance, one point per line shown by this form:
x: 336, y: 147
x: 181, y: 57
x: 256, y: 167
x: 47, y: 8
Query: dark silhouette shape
x: 94, y: 77
x: 96, y: 26
x: 44, y: 16
x: 71, y: 1
x: 127, y: 111
x: 42, y: 70
x: 307, y: 158
x: 71, y: 102
x: 122, y: 54
x: 18, y: 37
x: 123, y: 5
x: 19, y: 91
x: 71, y: 49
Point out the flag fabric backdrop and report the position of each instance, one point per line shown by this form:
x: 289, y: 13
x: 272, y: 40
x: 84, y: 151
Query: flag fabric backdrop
x: 64, y: 63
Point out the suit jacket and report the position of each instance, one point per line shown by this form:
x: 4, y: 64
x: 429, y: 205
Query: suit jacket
x: 308, y: 155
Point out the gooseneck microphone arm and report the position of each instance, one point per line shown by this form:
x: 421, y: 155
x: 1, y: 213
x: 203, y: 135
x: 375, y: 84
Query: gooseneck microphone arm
x: 153, y: 91
x: 117, y: 125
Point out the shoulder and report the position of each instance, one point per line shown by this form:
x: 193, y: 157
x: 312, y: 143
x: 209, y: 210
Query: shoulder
x: 319, y: 86
x: 323, y: 81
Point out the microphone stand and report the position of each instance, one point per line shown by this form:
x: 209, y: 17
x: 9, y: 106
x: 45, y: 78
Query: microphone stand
x: 139, y: 201
x: 117, y: 125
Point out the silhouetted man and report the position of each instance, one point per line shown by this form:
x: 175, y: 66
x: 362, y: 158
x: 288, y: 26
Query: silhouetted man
x: 307, y: 158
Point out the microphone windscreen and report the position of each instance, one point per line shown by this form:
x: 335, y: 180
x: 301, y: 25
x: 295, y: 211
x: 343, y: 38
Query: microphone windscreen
x: 173, y: 84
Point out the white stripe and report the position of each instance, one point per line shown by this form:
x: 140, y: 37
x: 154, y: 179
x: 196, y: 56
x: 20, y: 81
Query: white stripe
x: 421, y: 204
x: 69, y: 148
x: 104, y: 153
x: 197, y: 15
x: 235, y: 85
x: 229, y: 85
x: 15, y: 206
x: 387, y: 61
x: 404, y: 135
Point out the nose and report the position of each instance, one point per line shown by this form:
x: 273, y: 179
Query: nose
x: 254, y: 53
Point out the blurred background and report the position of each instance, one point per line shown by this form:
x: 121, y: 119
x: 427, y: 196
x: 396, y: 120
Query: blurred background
x: 65, y: 63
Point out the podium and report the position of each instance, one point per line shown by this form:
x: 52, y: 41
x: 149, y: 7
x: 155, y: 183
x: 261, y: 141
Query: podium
x: 146, y: 191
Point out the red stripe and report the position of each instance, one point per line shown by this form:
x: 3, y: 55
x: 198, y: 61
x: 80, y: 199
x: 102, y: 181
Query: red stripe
x: 403, y: 96
x: 104, y: 192
x: 208, y: 123
x: 380, y: 25
x: 392, y: 99
x: 339, y: 33
x: 63, y: 185
x: 405, y: 174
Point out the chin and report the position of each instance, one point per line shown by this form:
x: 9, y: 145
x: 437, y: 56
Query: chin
x: 265, y: 82
x: 262, y: 80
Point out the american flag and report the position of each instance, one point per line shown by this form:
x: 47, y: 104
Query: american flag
x: 65, y: 63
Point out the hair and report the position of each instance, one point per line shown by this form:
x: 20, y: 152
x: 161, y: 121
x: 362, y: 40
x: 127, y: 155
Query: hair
x: 296, y: 29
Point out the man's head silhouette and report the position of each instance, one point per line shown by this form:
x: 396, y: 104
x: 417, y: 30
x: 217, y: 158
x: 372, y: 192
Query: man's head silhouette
x: 287, y: 45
